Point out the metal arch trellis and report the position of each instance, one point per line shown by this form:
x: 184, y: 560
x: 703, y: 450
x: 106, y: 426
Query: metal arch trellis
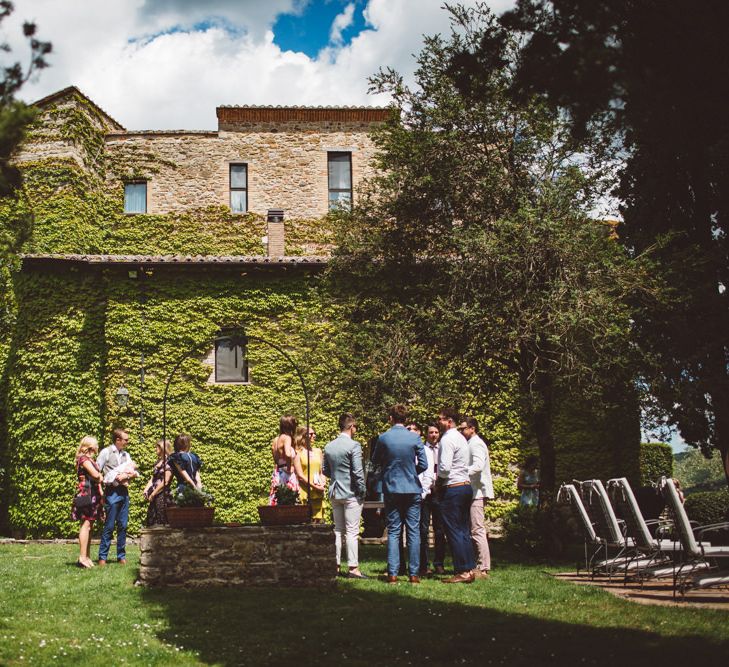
x: 241, y: 338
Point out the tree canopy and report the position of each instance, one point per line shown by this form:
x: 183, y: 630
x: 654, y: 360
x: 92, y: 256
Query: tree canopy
x: 475, y: 244
x: 15, y: 117
x: 652, y: 78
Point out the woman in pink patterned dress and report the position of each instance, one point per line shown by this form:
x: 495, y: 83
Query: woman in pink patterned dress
x: 88, y: 503
x: 282, y: 448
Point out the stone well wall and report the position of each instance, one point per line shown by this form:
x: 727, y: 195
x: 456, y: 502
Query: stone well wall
x: 238, y: 556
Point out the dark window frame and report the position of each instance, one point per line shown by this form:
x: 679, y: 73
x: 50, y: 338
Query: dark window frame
x: 330, y: 202
x: 245, y: 372
x: 231, y: 189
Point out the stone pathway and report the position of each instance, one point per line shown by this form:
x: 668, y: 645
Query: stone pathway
x: 658, y: 592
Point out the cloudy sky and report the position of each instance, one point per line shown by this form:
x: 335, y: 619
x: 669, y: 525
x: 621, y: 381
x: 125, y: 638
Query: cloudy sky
x: 166, y: 64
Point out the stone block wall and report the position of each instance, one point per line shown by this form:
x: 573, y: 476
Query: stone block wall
x: 287, y: 165
x: 297, y: 556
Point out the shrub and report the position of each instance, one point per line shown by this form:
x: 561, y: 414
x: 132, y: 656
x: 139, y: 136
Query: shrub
x: 708, y: 506
x: 656, y: 461
x: 539, y: 532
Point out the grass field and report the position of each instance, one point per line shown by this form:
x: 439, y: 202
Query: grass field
x: 52, y: 613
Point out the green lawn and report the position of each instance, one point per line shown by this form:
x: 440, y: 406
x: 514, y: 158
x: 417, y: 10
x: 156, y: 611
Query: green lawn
x: 52, y: 613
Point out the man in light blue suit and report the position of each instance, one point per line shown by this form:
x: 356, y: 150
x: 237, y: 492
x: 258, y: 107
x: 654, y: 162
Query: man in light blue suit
x: 401, y: 454
x: 343, y: 466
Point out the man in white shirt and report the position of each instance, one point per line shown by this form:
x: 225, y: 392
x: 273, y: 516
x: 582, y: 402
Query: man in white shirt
x: 482, y: 486
x: 116, y: 496
x: 456, y: 496
x: 430, y: 508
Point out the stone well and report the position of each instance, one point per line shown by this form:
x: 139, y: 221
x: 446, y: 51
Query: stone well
x: 253, y: 555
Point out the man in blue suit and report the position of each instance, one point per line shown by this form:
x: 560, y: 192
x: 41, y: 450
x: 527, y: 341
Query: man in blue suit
x: 402, y: 457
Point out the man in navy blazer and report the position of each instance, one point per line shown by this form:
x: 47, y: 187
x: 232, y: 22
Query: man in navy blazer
x: 401, y: 454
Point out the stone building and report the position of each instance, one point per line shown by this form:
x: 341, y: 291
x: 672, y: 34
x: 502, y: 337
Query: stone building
x: 300, y: 160
x: 144, y: 245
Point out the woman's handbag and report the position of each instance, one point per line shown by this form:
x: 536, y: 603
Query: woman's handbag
x: 83, y: 500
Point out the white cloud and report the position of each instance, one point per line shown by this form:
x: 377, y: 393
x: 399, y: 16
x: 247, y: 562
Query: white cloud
x: 144, y: 62
x: 341, y: 23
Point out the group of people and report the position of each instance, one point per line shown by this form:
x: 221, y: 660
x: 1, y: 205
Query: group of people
x: 102, y: 493
x: 442, y: 480
x: 445, y: 479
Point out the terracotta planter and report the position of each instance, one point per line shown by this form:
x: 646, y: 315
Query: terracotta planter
x: 190, y: 517
x: 283, y: 515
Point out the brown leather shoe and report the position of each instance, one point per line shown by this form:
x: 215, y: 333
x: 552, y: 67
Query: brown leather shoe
x: 391, y: 579
x: 480, y: 574
x: 413, y: 579
x: 439, y: 569
x: 462, y: 578
x: 122, y: 561
x: 101, y: 562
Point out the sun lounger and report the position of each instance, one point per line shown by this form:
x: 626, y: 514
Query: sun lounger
x: 603, y: 553
x: 694, y: 548
x: 660, y: 549
x: 626, y: 557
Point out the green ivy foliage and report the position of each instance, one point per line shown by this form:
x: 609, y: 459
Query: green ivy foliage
x: 71, y: 337
x: 53, y: 379
x: 656, y: 461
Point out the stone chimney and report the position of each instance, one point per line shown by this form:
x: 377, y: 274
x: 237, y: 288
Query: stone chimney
x: 275, y: 232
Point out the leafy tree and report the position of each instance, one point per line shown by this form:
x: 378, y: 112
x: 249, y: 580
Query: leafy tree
x: 697, y: 473
x: 15, y: 116
x: 652, y: 77
x: 473, y: 247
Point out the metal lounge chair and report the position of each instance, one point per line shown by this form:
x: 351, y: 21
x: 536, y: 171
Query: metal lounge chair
x: 625, y: 555
x: 694, y: 548
x: 599, y: 560
x: 660, y: 550
x: 568, y: 494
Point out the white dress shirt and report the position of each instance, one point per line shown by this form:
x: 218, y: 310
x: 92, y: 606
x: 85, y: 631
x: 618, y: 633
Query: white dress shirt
x: 427, y: 478
x: 479, y: 469
x: 111, y: 458
x: 453, y: 458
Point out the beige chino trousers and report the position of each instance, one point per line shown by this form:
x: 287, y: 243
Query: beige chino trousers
x: 478, y: 535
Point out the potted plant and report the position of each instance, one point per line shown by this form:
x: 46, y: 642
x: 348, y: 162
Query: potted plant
x: 285, y: 511
x: 193, y: 509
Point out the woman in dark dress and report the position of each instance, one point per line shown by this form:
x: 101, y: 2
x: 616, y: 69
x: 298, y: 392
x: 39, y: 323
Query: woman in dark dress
x: 185, y: 464
x: 88, y: 503
x: 157, y: 492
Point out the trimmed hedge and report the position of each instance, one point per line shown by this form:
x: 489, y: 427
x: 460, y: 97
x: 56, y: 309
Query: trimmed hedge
x: 656, y: 461
x: 708, y: 507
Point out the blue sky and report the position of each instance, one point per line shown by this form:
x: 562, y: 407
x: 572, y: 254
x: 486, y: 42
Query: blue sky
x: 166, y: 64
x: 310, y: 31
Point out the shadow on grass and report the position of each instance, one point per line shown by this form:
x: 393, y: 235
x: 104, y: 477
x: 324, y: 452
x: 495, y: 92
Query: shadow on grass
x: 370, y: 623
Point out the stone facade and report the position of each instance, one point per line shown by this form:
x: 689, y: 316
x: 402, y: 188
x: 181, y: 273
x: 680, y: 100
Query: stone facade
x: 300, y: 556
x: 285, y: 150
x: 287, y: 165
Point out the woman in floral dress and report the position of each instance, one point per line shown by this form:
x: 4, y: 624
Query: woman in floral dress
x: 157, y: 492
x: 282, y: 448
x: 88, y: 503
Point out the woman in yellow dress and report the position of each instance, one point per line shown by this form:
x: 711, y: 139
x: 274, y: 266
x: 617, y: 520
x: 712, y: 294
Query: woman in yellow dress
x: 312, y: 461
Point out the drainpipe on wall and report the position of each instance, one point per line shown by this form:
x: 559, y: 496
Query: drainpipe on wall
x: 275, y: 232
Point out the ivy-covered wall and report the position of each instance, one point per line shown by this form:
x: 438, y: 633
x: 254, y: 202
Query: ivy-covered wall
x: 71, y: 336
x: 80, y: 336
